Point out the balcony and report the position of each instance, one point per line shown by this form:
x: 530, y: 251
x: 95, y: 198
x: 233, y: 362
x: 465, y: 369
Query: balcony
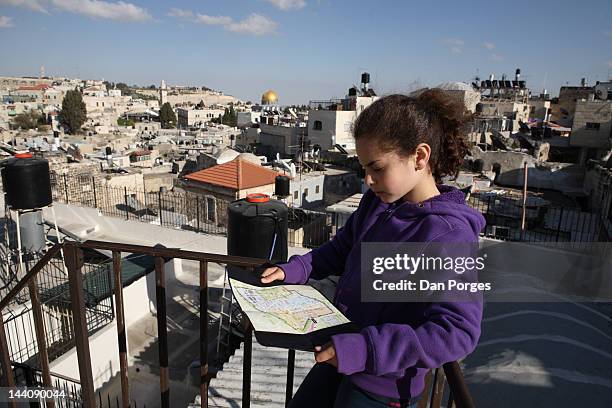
x: 84, y: 389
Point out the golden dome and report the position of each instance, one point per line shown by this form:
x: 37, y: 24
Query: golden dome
x: 269, y: 98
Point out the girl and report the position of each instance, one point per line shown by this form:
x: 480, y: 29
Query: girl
x: 405, y: 144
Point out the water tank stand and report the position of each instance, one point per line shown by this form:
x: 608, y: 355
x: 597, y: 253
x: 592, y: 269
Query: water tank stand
x: 18, y: 224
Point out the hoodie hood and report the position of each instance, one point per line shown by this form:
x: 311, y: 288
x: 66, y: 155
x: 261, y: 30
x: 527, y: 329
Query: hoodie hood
x: 449, y: 204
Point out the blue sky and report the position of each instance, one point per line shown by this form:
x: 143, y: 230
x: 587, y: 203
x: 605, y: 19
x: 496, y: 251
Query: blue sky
x: 307, y: 49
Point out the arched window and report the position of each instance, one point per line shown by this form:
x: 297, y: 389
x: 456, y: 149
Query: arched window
x: 318, y: 125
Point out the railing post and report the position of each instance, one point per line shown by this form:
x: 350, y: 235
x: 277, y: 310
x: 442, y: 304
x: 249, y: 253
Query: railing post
x: 74, y: 261
x: 456, y: 383
x: 66, y: 188
x: 198, y: 212
x: 7, y: 369
x: 290, y: 369
x: 559, y: 224
x: 93, y: 183
x: 41, y: 338
x: 127, y: 214
x: 246, y: 364
x: 204, y: 333
x: 121, y: 331
x: 162, y: 331
x: 159, y: 201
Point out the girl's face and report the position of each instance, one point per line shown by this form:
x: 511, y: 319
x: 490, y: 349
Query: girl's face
x: 389, y: 175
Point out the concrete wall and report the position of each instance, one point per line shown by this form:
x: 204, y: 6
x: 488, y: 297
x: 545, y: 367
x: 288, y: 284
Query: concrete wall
x: 563, y: 111
x: 309, y: 198
x: 282, y: 139
x: 133, y: 181
x: 599, y: 112
x: 335, y: 128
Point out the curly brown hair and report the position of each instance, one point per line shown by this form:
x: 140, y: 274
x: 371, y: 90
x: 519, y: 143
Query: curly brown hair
x: 403, y: 122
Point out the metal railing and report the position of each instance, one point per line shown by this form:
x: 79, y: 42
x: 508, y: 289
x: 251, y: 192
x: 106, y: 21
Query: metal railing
x: 73, y: 253
x: 181, y: 210
x: 70, y: 388
x: 309, y: 229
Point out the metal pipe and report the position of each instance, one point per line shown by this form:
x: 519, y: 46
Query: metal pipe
x: 457, y: 385
x: 74, y: 258
x: 43, y: 355
x: 162, y: 331
x: 246, y: 365
x: 121, y: 330
x: 204, y: 333
x: 290, y: 370
x: 173, y: 253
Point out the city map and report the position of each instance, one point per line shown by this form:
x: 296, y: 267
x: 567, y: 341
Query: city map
x: 293, y: 309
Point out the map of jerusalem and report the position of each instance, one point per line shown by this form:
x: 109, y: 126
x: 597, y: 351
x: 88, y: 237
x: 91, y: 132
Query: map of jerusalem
x: 294, y: 309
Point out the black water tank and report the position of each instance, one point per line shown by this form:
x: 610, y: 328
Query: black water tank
x: 109, y: 151
x: 478, y: 165
x: 255, y: 226
x: 281, y: 186
x: 26, y: 182
x: 365, y: 78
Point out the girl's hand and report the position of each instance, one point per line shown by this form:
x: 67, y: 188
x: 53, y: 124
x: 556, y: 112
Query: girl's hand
x: 272, y: 274
x: 326, y: 354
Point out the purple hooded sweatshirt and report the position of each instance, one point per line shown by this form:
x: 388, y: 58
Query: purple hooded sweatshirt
x: 399, y: 342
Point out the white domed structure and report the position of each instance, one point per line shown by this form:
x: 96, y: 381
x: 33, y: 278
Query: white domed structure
x: 250, y: 157
x: 226, y: 155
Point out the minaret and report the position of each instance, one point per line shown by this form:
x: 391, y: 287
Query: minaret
x: 163, y: 93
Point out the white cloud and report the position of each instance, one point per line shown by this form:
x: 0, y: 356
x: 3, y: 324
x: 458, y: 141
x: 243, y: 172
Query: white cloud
x: 255, y: 24
x: 34, y: 5
x: 497, y: 57
x: 103, y: 9
x: 286, y: 5
x: 6, y: 22
x: 489, y: 46
x: 455, y: 45
x: 213, y: 20
x: 119, y: 10
x: 454, y: 41
x: 179, y: 13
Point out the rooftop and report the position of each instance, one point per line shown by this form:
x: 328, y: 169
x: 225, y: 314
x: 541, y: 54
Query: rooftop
x: 237, y: 174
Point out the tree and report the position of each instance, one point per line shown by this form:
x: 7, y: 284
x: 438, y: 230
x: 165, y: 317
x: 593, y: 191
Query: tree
x: 121, y: 121
x: 230, y: 118
x: 167, y: 116
x: 73, y: 113
x: 29, y: 120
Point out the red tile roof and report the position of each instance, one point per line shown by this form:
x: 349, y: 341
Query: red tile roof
x: 37, y: 87
x: 237, y: 174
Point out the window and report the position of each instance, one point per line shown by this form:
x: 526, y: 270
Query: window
x: 305, y: 192
x: 317, y: 189
x: 210, y: 209
x: 592, y: 126
x: 318, y: 125
x: 295, y: 195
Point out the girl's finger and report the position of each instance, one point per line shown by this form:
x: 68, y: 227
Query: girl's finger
x: 268, y: 271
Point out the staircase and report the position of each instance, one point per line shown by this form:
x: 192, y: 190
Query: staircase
x: 268, y: 378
